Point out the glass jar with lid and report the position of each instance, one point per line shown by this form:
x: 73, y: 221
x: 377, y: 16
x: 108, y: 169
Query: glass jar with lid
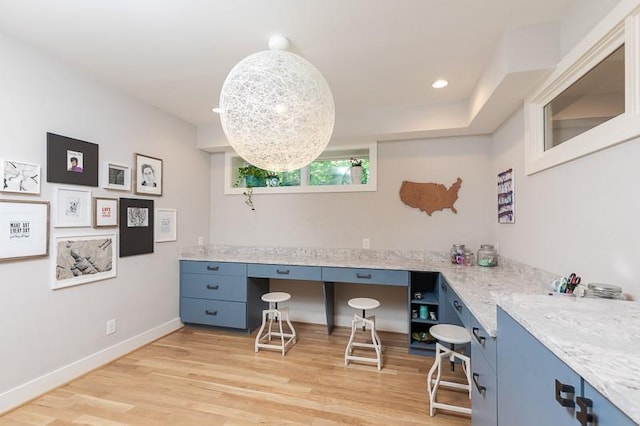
x: 457, y: 253
x: 487, y: 255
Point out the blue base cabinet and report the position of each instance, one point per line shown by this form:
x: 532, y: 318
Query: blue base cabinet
x: 220, y: 294
x: 537, y: 388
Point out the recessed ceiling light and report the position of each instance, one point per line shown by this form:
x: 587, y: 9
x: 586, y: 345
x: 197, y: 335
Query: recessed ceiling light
x: 439, y: 84
x: 217, y: 110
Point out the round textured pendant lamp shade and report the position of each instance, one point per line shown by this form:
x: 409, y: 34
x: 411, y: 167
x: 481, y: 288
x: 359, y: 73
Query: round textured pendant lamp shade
x: 277, y: 110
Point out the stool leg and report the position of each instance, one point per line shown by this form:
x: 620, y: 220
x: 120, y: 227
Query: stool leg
x: 264, y: 322
x: 377, y: 345
x: 349, y: 349
x: 452, y: 359
x: 285, y: 313
x: 433, y: 387
x: 279, y: 315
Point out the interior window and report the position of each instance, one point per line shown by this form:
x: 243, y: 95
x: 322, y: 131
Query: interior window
x: 597, y: 97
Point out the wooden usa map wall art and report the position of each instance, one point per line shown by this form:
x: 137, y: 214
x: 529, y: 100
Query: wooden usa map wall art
x: 429, y: 197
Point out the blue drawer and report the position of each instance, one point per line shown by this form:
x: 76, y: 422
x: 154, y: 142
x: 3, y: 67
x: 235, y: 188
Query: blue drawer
x: 213, y: 312
x: 365, y: 276
x: 285, y: 272
x: 222, y: 287
x: 459, y: 307
x: 482, y: 343
x: 220, y: 268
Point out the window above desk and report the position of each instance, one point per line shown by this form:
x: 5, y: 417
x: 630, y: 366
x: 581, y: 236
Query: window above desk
x: 351, y: 168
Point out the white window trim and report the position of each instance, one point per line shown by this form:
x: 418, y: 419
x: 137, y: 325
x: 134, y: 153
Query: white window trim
x: 621, y: 26
x: 371, y: 185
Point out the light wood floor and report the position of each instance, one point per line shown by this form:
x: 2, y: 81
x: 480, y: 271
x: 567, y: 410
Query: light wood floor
x: 200, y: 376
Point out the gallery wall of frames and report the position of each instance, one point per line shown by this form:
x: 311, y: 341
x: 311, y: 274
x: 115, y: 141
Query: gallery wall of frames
x: 92, y: 232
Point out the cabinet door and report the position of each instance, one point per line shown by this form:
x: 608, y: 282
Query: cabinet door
x: 527, y: 375
x: 604, y: 412
x: 484, y: 393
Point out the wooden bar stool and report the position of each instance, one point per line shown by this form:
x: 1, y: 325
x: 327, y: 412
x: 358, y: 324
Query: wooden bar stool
x: 277, y: 314
x: 364, y: 303
x: 454, y: 335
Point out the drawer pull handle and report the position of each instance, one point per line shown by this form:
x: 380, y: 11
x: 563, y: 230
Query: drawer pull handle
x: 363, y: 276
x: 208, y: 312
x: 282, y: 271
x: 457, y: 305
x: 567, y: 389
x: 443, y: 286
x: 481, y: 389
x: 479, y: 338
x: 213, y: 287
x: 584, y: 416
x: 212, y: 268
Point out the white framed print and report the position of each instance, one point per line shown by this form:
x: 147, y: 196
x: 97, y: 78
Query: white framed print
x: 116, y: 176
x: 166, y: 224
x: 105, y: 212
x: 73, y: 208
x: 22, y: 178
x: 24, y: 229
x: 81, y: 259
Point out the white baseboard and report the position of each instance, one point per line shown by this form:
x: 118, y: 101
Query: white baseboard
x: 40, y: 385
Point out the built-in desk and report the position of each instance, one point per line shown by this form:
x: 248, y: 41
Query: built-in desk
x: 227, y: 294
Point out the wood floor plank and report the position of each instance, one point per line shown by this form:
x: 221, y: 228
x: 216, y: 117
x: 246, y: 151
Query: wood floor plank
x: 205, y: 376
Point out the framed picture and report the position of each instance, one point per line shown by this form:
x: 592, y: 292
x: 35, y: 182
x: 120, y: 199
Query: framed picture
x: 73, y: 208
x: 165, y: 225
x: 85, y: 258
x: 105, y: 212
x: 506, y: 210
x: 23, y: 178
x: 24, y: 229
x: 148, y: 172
x: 71, y: 161
x: 136, y: 226
x: 116, y: 176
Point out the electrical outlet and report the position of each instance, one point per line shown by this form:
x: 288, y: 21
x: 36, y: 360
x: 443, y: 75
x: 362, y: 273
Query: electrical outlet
x: 200, y: 240
x: 111, y: 326
x: 366, y: 243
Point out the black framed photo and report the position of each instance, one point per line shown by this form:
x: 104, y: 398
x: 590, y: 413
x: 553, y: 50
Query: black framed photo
x: 148, y: 173
x: 136, y: 226
x: 71, y: 161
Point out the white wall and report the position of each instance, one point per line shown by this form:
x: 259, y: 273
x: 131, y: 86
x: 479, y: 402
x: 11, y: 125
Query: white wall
x: 341, y: 220
x: 576, y: 217
x: 49, y: 336
x: 580, y: 216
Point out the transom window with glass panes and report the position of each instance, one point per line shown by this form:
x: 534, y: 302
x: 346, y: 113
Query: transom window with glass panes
x: 336, y: 169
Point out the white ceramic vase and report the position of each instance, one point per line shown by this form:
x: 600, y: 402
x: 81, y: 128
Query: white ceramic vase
x: 356, y: 175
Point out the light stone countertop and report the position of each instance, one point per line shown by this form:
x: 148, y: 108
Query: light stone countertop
x: 598, y: 338
x: 474, y: 285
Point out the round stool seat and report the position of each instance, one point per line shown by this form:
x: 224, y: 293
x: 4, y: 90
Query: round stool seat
x: 276, y: 297
x: 450, y: 333
x: 363, y: 303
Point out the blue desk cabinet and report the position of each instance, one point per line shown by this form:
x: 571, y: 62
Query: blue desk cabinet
x: 484, y: 393
x: 284, y: 272
x: 220, y: 294
x: 535, y: 387
x: 603, y: 411
x: 365, y: 276
x: 482, y: 350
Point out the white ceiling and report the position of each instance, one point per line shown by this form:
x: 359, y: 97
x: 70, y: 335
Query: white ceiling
x: 379, y: 56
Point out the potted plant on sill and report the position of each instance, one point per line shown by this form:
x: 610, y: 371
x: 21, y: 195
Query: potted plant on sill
x: 356, y: 171
x: 253, y: 176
